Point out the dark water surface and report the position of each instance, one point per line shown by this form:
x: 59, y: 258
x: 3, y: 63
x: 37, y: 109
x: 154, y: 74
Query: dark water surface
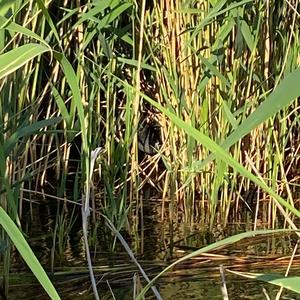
x: 158, y: 246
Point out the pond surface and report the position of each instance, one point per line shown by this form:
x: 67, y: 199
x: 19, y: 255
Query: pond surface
x: 158, y: 246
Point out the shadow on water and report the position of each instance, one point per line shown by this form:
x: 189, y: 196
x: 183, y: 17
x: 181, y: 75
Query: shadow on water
x: 163, y: 243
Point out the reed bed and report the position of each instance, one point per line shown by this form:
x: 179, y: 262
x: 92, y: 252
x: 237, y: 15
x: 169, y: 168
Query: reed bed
x: 79, y: 80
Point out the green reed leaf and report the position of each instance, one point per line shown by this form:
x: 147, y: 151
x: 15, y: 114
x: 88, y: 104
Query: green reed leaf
x: 27, y: 254
x: 290, y: 282
x: 11, y: 26
x: 76, y: 99
x: 27, y: 131
x: 282, y: 96
x: 16, y: 58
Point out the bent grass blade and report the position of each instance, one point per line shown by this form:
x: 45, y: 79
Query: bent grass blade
x: 13, y: 27
x: 27, y: 131
x: 290, y: 282
x: 16, y: 58
x: 27, y: 254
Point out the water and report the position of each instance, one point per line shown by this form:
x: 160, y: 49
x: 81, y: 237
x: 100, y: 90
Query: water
x: 163, y: 243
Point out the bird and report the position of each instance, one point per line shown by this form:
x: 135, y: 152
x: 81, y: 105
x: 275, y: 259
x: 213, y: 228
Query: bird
x: 149, y: 139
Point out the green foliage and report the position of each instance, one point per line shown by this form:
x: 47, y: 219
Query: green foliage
x: 14, y: 59
x: 220, y: 79
x: 288, y: 282
x: 19, y: 241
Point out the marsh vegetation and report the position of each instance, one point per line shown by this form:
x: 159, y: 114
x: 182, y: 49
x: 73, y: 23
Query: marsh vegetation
x: 111, y: 108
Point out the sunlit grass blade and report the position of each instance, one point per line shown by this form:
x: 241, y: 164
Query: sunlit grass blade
x: 76, y: 99
x: 62, y: 107
x: 133, y: 62
x: 213, y: 69
x: 27, y: 254
x: 288, y: 282
x: 98, y: 8
x: 16, y: 58
x: 213, y: 13
x: 14, y: 27
x: 5, y: 5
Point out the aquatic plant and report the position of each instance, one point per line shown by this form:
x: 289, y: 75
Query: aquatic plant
x: 82, y: 83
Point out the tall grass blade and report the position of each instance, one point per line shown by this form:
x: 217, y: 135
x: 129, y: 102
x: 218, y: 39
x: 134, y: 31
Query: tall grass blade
x: 72, y: 79
x: 27, y: 254
x: 16, y: 58
x: 287, y: 91
x: 76, y: 99
x: 49, y: 20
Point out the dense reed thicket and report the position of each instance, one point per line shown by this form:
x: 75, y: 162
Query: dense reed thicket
x: 215, y: 81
